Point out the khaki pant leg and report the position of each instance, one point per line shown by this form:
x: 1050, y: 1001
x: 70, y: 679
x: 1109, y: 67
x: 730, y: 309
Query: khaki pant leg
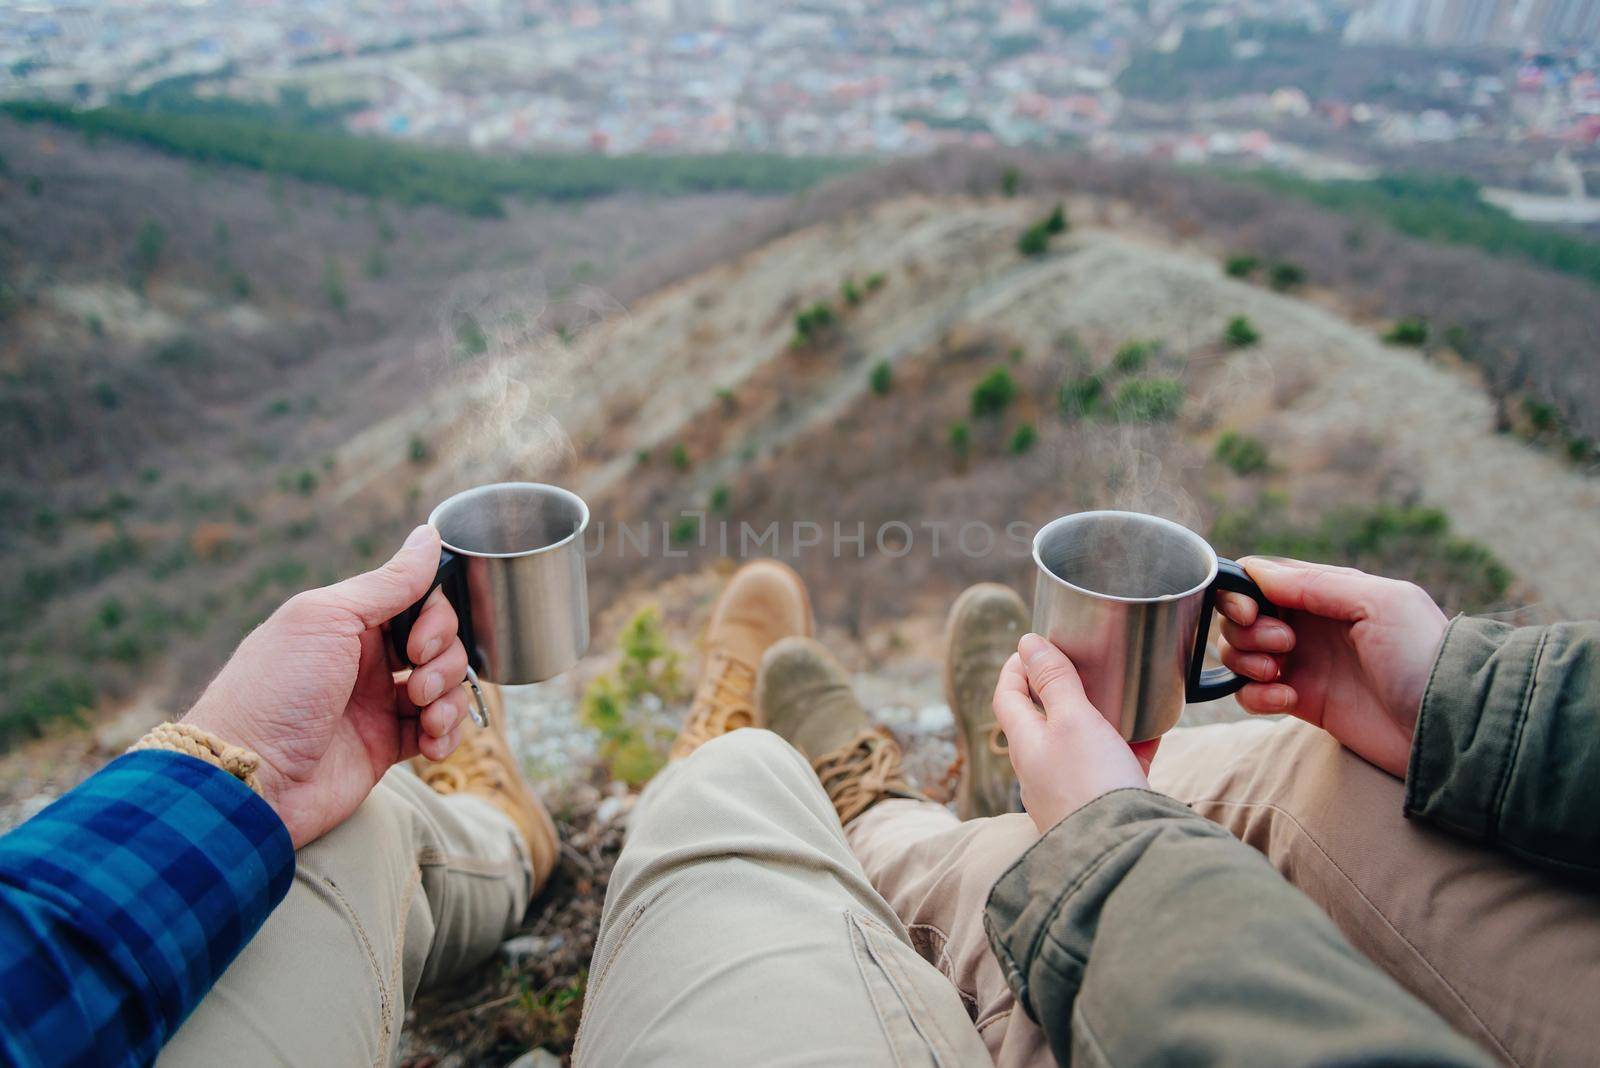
x: 936, y: 872
x: 1508, y: 954
x: 409, y: 890
x: 738, y: 929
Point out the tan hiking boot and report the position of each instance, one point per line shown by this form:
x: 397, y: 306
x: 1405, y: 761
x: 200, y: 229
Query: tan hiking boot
x: 764, y: 601
x: 805, y: 698
x: 483, y: 765
x: 982, y: 632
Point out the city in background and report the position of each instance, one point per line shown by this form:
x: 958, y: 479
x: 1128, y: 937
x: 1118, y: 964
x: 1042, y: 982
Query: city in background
x: 1327, y: 87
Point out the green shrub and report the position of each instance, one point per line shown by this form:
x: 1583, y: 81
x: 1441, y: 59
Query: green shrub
x: 875, y: 281
x: 1411, y: 331
x: 1286, y: 276
x: 377, y: 266
x: 623, y: 705
x: 1241, y: 266
x: 882, y: 377
x: 1056, y: 221
x: 812, y: 324
x: 685, y: 528
x: 960, y: 438
x: 112, y: 613
x: 641, y: 457
x: 183, y: 353
x: 305, y: 483
x: 719, y: 497
x: 1243, y: 454
x: 1080, y: 396
x: 470, y: 338
x: 728, y: 399
x: 1035, y: 240
x: 1010, y: 181
x: 1149, y: 399
x: 993, y: 393
x: 148, y: 245
x: 1022, y: 439
x: 418, y: 449
x: 1133, y: 355
x: 680, y: 457
x: 1241, y: 333
x: 850, y: 292
x: 1542, y: 416
x: 333, y: 285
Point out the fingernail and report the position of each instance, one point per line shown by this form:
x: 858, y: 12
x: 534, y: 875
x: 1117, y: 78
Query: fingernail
x: 1031, y: 646
x: 417, y: 537
x: 429, y: 650
x: 432, y: 687
x: 1275, y: 698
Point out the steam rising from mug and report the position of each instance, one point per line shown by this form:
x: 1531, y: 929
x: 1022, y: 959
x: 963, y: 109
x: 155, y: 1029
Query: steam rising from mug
x: 512, y: 567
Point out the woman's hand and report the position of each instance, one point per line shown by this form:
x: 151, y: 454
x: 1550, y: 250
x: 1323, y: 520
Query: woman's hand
x: 313, y: 692
x: 1351, y: 654
x: 1065, y: 753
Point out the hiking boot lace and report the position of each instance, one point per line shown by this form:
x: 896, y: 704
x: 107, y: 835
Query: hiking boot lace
x: 721, y: 704
x: 474, y: 768
x: 862, y: 772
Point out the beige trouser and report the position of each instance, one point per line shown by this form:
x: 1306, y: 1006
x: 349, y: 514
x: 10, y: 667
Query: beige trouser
x: 1509, y: 955
x: 738, y: 929
x: 410, y: 890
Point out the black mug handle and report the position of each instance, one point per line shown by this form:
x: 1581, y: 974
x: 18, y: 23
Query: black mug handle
x: 452, y: 578
x: 1208, y: 684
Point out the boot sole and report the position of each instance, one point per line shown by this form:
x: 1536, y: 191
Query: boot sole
x: 965, y: 804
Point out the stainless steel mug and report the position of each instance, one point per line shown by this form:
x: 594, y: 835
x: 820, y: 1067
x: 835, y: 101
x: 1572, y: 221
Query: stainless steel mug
x: 1128, y: 598
x: 512, y: 566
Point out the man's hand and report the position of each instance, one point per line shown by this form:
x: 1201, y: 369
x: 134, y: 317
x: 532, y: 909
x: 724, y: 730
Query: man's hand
x: 313, y: 692
x: 1351, y: 654
x: 1068, y: 754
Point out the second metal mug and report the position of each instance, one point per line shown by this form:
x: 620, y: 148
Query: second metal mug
x: 512, y: 567
x: 1128, y: 598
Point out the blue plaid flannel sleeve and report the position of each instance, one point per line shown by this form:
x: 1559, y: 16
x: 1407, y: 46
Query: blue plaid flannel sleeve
x: 122, y: 903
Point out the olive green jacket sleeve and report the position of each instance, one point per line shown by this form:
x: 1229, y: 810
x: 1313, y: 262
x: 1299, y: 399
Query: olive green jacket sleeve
x: 1137, y: 932
x: 1507, y: 745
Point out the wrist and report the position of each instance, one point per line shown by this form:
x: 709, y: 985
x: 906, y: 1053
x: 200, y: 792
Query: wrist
x: 191, y: 740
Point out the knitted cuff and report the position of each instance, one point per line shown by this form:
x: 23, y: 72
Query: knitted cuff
x: 185, y: 738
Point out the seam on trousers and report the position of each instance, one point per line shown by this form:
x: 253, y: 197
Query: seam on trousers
x: 385, y: 997
x: 397, y: 951
x: 1387, y: 923
x: 940, y: 1046
x: 435, y: 858
x: 858, y: 947
x: 1005, y: 1014
x: 592, y: 992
